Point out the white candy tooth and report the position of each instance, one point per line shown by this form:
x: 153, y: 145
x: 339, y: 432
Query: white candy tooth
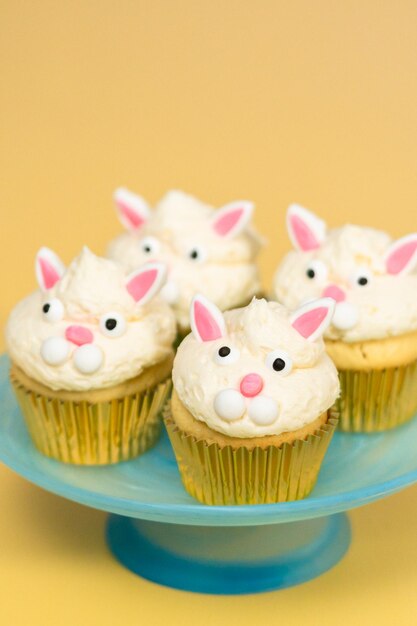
x: 170, y: 292
x: 55, y: 350
x: 263, y: 410
x: 346, y: 316
x: 88, y: 358
x: 229, y: 405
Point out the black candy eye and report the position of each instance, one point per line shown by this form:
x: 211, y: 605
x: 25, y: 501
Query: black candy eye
x: 278, y: 365
x: 53, y: 310
x: 111, y: 323
x: 226, y: 355
x: 316, y: 270
x: 279, y: 361
x: 361, y: 277
x: 197, y: 254
x: 150, y: 245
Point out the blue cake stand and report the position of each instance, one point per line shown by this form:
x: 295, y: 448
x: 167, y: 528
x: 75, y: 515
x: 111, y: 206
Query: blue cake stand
x: 159, y: 532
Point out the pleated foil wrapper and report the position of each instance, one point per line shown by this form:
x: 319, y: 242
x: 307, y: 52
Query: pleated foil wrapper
x: 222, y: 475
x: 101, y: 433
x: 377, y: 400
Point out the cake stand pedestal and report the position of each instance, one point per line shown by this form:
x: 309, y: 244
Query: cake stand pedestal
x: 229, y: 560
x: 159, y: 532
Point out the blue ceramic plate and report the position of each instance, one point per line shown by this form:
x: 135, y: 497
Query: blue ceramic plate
x: 357, y: 469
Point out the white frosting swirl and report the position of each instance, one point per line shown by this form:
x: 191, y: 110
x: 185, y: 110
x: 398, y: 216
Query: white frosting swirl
x: 90, y: 288
x: 225, y: 270
x: 268, y: 402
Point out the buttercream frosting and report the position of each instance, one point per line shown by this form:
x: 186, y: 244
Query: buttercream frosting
x: 206, y: 250
x: 256, y: 371
x: 95, y: 327
x: 371, y: 277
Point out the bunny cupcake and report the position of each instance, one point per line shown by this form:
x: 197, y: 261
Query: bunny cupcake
x: 207, y: 251
x: 373, y: 335
x: 91, y: 358
x: 249, y: 418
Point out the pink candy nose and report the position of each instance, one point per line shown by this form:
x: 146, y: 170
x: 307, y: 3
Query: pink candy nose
x: 79, y: 335
x: 333, y: 291
x: 251, y: 385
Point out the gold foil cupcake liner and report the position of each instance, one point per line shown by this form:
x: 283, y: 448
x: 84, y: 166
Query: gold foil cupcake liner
x: 377, y: 400
x: 222, y: 475
x: 86, y: 433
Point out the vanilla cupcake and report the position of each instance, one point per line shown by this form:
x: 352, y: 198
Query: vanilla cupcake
x: 91, y: 357
x: 249, y: 418
x: 206, y: 250
x: 373, y: 335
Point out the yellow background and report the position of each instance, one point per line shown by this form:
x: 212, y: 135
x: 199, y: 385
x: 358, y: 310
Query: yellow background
x: 267, y: 100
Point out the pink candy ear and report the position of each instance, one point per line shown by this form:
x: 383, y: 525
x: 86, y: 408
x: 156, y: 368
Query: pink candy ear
x: 312, y: 319
x: 401, y: 257
x: 207, y: 321
x: 48, y: 268
x: 231, y: 219
x: 133, y: 211
x: 306, y: 230
x: 144, y: 284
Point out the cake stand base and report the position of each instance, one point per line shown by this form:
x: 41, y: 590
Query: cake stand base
x: 229, y: 560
